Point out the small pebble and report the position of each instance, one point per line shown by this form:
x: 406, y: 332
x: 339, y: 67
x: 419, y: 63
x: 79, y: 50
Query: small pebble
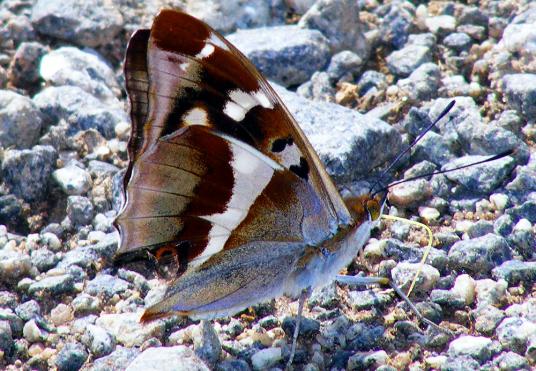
x: 477, y: 347
x: 266, y: 358
x: 464, y: 286
x: 61, y: 314
x: 33, y: 333
x: 71, y: 357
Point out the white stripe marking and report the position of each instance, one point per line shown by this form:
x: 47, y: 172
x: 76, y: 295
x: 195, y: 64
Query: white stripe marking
x: 240, y: 102
x: 252, y: 171
x: 263, y: 99
x: 207, y: 50
x: 274, y: 165
x: 234, y: 111
x: 216, y: 41
x: 290, y: 156
x: 216, y: 240
x: 196, y: 116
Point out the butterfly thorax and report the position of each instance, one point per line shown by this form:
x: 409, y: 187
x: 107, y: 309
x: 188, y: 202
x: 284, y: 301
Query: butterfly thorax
x: 320, y: 264
x: 364, y: 207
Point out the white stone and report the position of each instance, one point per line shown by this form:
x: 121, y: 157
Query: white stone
x: 444, y: 23
x: 96, y: 236
x: 83, y: 68
x: 266, y: 358
x: 470, y: 345
x: 429, y: 213
x: 73, y: 180
x: 127, y: 328
x: 32, y: 332
x: 122, y: 130
x: 464, y: 286
x: 32, y: 241
x: 177, y: 358
x: 499, y: 201
x: 374, y: 248
x: 52, y: 241
x: 523, y: 225
x: 435, y: 362
x: 61, y: 314
x: 404, y: 273
x: 463, y: 225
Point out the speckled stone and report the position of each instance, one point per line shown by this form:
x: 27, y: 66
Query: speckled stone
x: 514, y: 333
x: 127, y: 329
x: 71, y: 357
x: 179, y: 358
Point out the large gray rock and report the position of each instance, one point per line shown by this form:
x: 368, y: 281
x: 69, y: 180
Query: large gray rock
x: 417, y: 51
x: 520, y: 92
x: 178, y: 358
x: 339, y: 21
x: 228, y: 15
x: 53, y: 285
x: 397, y: 23
x: 479, y: 255
x: 434, y: 148
x: 349, y: 143
x: 23, y: 69
x: 80, y: 109
x: 27, y: 172
x: 206, y: 343
x: 6, y: 337
x: 477, y: 347
x: 79, y: 210
x: 71, y: 357
x: 20, y: 120
x: 288, y: 55
x: 514, y: 333
x: 519, y: 35
x: 127, y: 329
x: 117, y: 360
x: 85, y: 69
x: 105, y: 285
x: 422, y: 83
x: 318, y: 88
x: 515, y: 271
x: 479, y: 179
x: 88, y: 23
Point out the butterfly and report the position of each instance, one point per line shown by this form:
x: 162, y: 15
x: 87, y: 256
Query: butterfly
x: 223, y: 191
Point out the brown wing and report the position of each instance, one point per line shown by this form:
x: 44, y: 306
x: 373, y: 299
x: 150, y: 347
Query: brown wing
x: 215, y: 193
x: 183, y: 77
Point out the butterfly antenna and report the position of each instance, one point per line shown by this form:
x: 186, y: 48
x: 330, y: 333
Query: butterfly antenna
x: 408, y: 148
x: 492, y: 158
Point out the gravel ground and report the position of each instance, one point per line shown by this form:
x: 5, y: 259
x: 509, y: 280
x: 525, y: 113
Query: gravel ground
x: 363, y: 79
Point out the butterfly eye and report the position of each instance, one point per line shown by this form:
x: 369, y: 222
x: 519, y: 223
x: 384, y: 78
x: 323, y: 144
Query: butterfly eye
x: 373, y: 209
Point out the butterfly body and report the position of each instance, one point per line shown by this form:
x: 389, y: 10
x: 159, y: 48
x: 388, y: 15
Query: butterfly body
x: 255, y: 273
x: 223, y: 188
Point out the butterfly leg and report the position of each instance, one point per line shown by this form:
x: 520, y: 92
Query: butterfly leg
x: 355, y: 280
x: 303, y: 297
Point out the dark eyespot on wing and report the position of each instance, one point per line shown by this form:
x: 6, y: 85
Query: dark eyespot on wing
x: 280, y: 144
x: 301, y: 170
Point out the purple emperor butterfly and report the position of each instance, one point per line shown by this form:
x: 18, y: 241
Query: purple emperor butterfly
x: 223, y: 189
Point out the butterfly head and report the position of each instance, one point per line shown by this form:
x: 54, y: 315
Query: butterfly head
x: 365, y: 207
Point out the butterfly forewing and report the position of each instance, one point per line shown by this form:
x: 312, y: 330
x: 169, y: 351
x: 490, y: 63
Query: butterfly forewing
x: 216, y: 159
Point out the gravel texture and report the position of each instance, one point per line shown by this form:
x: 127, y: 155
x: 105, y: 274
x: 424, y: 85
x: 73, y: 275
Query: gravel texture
x: 363, y: 79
